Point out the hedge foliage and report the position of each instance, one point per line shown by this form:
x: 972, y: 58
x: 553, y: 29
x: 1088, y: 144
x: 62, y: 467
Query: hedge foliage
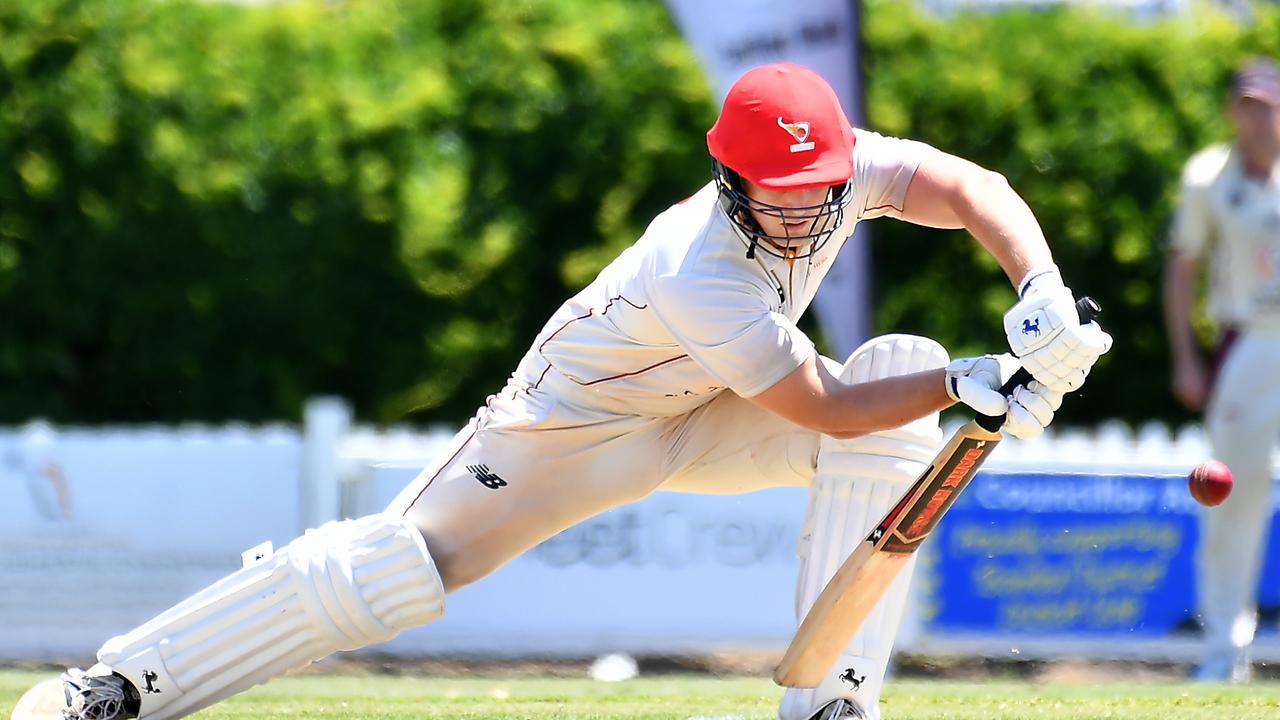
x: 1091, y: 118
x: 212, y: 211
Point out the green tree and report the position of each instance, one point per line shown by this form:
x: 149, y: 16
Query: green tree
x: 213, y: 211
x: 1090, y: 116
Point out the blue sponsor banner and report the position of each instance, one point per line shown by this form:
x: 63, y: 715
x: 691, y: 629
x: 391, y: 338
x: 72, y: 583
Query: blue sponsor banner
x: 1072, y: 554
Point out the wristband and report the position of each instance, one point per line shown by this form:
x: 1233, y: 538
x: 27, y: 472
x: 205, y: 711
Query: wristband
x: 1041, y: 278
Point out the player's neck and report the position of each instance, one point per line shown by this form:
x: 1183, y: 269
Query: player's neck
x: 1258, y: 165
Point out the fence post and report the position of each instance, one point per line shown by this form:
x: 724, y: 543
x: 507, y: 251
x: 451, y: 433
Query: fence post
x: 326, y: 421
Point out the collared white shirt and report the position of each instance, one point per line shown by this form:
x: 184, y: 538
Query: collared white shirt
x: 1234, y: 219
x: 683, y: 314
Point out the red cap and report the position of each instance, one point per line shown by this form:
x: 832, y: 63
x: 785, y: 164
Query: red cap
x: 782, y: 128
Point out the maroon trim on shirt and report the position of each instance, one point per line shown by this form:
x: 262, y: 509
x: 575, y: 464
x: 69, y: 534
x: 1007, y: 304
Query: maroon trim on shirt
x: 590, y: 312
x: 635, y: 372
x: 442, y: 467
x: 881, y: 207
x: 1226, y: 342
x: 540, y: 377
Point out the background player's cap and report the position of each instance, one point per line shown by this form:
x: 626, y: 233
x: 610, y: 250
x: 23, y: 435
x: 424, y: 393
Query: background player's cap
x: 1259, y: 79
x: 782, y: 127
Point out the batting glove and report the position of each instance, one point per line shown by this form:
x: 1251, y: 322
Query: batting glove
x: 976, y: 382
x: 1031, y: 409
x: 1045, y: 333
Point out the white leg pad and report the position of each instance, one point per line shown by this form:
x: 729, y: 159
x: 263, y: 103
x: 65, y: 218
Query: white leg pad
x: 341, y: 586
x: 857, y: 481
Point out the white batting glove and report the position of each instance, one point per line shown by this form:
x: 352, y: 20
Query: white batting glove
x: 1031, y: 410
x: 1045, y: 333
x: 976, y: 382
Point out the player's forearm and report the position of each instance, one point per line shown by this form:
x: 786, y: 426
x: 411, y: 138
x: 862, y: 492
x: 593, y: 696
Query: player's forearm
x: 1179, y: 276
x: 812, y: 397
x: 883, y: 404
x: 951, y: 192
x: 1002, y: 222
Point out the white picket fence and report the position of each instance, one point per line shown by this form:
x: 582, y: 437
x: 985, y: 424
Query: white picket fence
x: 1111, y: 448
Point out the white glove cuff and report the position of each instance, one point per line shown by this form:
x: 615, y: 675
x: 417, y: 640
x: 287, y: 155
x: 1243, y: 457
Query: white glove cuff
x: 1041, y: 279
x: 949, y: 382
x: 954, y: 370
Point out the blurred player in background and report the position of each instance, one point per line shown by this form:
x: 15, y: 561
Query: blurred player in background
x: 680, y: 367
x: 1229, y: 212
x: 32, y: 461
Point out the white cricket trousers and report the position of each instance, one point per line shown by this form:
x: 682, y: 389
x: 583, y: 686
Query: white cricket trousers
x: 1243, y: 422
x: 547, y: 453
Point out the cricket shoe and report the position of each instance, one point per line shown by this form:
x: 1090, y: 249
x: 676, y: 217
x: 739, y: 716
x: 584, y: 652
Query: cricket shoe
x: 77, y: 696
x: 840, y: 709
x: 1232, y: 666
x: 98, y: 697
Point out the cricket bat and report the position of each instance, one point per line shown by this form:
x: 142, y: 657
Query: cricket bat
x: 856, y: 587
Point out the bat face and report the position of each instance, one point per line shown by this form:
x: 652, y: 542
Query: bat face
x: 852, y: 593
x: 918, y: 513
x: 855, y: 589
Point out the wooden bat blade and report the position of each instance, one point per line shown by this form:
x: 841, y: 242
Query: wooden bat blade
x: 859, y: 583
x: 837, y: 615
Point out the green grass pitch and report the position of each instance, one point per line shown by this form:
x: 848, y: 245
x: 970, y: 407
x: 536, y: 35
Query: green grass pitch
x: 708, y: 698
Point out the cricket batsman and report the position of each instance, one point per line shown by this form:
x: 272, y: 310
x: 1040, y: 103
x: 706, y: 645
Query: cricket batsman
x: 679, y: 368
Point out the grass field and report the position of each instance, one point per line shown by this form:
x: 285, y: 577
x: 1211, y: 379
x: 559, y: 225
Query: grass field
x: 708, y: 698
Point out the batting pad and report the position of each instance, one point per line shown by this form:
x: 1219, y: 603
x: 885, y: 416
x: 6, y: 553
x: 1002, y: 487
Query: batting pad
x: 342, y: 586
x: 857, y: 482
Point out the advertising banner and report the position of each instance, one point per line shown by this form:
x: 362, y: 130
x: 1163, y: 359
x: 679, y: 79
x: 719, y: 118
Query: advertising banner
x: 1083, y: 555
x: 673, y: 573
x: 101, y: 530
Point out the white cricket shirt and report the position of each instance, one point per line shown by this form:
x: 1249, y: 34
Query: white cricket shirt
x: 683, y: 313
x: 1235, y: 220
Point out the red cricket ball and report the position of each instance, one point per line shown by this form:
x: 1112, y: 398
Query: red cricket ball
x: 1210, y: 482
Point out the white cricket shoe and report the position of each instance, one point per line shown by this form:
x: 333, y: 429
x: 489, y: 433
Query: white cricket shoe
x: 839, y: 709
x: 1233, y: 666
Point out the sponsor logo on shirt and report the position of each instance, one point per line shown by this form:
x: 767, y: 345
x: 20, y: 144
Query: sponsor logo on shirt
x: 822, y: 261
x: 486, y: 478
x: 694, y: 393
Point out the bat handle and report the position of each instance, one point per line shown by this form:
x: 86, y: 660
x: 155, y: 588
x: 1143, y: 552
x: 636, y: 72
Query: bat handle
x: 1087, y: 308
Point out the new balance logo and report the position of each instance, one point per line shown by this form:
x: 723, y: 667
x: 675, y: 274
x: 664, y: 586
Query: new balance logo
x: 486, y: 478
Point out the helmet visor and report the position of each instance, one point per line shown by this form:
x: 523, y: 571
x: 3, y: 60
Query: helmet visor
x: 783, y: 231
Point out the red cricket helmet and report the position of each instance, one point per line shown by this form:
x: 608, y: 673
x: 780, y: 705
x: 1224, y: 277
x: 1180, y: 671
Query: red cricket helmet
x: 782, y: 128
